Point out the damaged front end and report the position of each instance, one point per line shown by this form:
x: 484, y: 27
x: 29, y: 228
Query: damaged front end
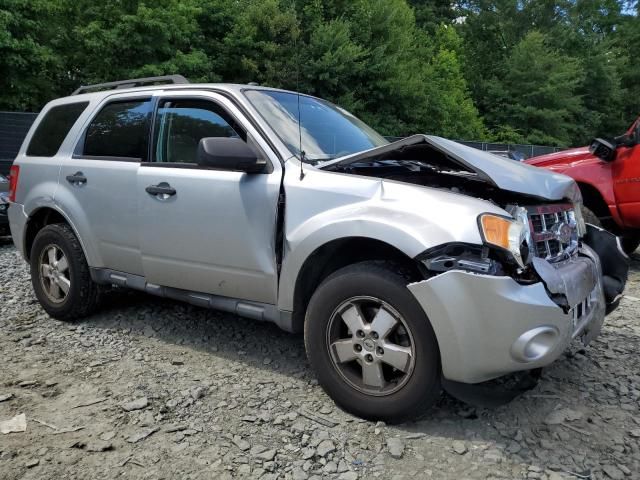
x: 540, y: 278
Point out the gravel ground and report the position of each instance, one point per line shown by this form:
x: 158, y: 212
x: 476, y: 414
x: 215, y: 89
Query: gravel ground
x: 150, y: 388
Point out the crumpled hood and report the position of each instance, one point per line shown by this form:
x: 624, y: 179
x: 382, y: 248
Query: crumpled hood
x: 503, y: 173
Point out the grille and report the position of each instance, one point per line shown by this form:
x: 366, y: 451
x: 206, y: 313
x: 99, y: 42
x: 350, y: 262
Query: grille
x: 553, y: 231
x: 580, y: 311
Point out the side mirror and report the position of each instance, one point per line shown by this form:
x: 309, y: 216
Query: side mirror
x: 603, y: 149
x: 229, y: 154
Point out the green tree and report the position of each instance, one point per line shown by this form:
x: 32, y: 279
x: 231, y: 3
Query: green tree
x: 126, y: 39
x: 31, y: 65
x: 431, y: 14
x: 537, y: 94
x: 628, y: 40
x: 370, y: 57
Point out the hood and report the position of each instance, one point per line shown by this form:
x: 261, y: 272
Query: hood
x: 500, y: 172
x: 565, y: 156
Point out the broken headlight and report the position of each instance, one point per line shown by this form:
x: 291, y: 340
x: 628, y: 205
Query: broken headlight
x: 507, y: 234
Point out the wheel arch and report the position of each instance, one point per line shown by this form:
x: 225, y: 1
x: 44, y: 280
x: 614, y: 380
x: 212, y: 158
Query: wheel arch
x: 594, y: 200
x: 40, y: 218
x: 338, y: 253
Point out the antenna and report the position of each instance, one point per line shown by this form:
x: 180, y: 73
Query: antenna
x: 302, y: 154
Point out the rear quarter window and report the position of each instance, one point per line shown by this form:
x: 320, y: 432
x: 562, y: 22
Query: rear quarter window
x: 53, y: 129
x: 119, y: 130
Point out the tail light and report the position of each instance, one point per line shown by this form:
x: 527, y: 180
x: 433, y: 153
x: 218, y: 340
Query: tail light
x: 14, y: 172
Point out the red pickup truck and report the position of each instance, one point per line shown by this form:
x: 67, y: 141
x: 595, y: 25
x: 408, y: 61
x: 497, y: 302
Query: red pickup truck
x: 608, y: 174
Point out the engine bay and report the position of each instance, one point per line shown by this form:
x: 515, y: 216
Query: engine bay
x: 424, y: 165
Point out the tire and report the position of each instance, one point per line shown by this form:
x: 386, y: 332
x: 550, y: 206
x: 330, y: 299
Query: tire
x: 50, y: 277
x: 401, y: 394
x: 590, y: 217
x: 630, y: 244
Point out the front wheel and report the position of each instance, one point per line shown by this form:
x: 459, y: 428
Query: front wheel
x: 630, y: 243
x: 371, y: 344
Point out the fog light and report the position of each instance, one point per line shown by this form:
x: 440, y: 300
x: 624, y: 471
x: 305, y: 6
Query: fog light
x: 534, y: 344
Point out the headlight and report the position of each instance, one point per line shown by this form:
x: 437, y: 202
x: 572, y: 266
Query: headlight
x: 505, y: 233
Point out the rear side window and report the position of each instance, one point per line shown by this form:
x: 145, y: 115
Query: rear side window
x: 120, y: 130
x: 53, y: 129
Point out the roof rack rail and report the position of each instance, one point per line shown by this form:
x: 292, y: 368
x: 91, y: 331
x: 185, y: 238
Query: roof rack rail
x: 134, y: 82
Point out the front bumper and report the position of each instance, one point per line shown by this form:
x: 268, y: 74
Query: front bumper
x: 488, y: 326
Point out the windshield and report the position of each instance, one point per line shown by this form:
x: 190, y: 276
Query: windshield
x: 327, y: 131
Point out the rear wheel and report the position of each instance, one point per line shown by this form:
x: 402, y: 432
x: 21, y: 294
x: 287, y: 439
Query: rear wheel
x: 60, y: 274
x: 371, y: 344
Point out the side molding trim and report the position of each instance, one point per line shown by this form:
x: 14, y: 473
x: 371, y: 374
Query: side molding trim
x: 258, y: 311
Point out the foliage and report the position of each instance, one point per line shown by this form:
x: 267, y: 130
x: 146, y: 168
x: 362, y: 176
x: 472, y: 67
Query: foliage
x: 541, y: 71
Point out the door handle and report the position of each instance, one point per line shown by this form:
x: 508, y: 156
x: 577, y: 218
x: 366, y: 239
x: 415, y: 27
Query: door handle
x: 77, y: 178
x: 163, y: 190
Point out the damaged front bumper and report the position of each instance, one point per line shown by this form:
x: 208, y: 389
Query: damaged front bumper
x: 488, y: 326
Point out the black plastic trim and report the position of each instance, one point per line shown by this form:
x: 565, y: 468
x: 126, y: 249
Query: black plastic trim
x: 107, y: 158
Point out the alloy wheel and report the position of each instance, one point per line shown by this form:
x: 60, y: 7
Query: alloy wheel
x: 54, y: 273
x: 371, y: 346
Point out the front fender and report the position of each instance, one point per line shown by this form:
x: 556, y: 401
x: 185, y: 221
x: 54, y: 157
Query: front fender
x: 299, y: 247
x: 326, y: 206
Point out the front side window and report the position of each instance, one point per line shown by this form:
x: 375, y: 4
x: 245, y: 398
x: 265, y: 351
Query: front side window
x: 181, y: 124
x: 318, y: 128
x: 54, y: 128
x: 120, y: 130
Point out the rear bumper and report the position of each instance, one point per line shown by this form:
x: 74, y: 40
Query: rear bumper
x: 18, y: 224
x: 489, y: 326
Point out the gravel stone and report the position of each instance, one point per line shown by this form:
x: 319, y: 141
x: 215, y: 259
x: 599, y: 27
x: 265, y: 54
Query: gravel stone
x: 613, y: 472
x: 267, y: 455
x: 325, y: 447
x: 395, y: 447
x: 459, y: 447
x: 348, y: 476
x: 137, y: 404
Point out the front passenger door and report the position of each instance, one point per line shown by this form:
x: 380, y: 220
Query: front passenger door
x: 212, y: 231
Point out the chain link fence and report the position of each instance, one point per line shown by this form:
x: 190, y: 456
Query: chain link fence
x: 527, y: 150
x: 521, y: 151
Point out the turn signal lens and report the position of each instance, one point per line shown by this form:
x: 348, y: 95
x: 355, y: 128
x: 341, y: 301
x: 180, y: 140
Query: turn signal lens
x: 504, y: 233
x: 496, y: 230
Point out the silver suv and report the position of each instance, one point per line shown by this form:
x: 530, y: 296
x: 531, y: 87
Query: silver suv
x: 408, y: 265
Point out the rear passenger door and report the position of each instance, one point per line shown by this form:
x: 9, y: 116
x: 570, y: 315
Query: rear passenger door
x: 98, y: 183
x: 216, y: 232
